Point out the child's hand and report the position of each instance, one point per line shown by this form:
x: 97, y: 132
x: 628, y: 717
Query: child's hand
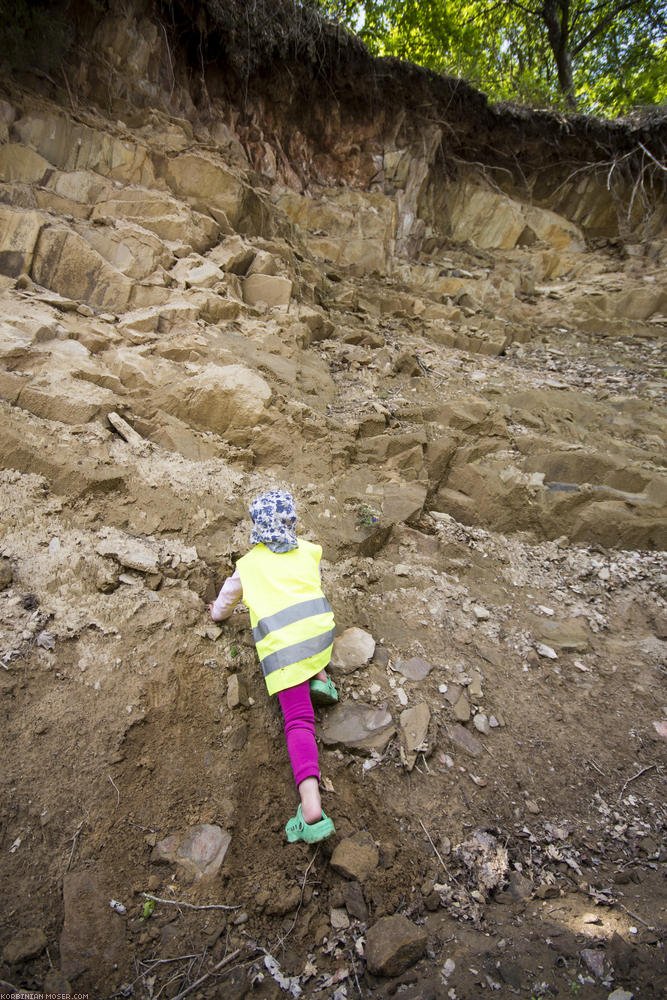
x: 210, y: 611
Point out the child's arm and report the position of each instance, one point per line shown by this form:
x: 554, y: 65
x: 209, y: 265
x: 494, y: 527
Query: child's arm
x: 229, y: 596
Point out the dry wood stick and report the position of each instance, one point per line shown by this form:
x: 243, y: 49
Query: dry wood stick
x: 190, y: 906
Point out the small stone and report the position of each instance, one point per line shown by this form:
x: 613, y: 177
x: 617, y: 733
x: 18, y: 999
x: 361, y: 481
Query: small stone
x: 475, y: 686
x: 594, y: 960
x: 339, y: 919
x: 480, y: 613
x: 414, y: 730
x: 481, y: 723
x: 546, y: 651
x: 237, y: 693
x: 402, y: 570
x: 393, y: 944
x: 203, y: 850
x: 415, y: 669
x: 661, y: 728
x: 352, y: 650
x: 466, y: 740
x: 6, y: 574
x: 462, y: 709
x: 532, y: 806
x: 26, y: 944
x: 357, y: 727
x: 356, y: 857
x: 213, y: 632
x: 402, y: 697
x: 620, y: 995
x: 510, y: 974
x: 355, y: 903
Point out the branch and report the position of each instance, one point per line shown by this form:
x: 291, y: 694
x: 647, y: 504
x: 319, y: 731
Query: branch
x: 602, y: 24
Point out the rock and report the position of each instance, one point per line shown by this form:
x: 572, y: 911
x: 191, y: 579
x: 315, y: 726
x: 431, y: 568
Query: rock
x: 355, y: 903
x: 594, y: 960
x: 568, y: 635
x: 462, y: 709
x: 546, y: 651
x: 475, y: 686
x: 222, y: 399
x: 414, y: 729
x: 352, y: 650
x: 67, y: 264
x: 19, y: 231
x: 393, y: 944
x: 339, y: 919
x: 621, y: 955
x: 357, y: 727
x: 267, y: 289
x: 28, y: 943
x: 414, y: 669
x: 130, y: 553
x: 510, y: 973
x: 620, y: 995
x: 355, y: 857
x: 481, y: 723
x: 6, y: 573
x: 203, y: 850
x: 465, y: 740
x: 237, y: 692
x: 93, y: 936
x: 532, y: 807
x: 661, y: 728
x: 56, y: 983
x: 480, y: 613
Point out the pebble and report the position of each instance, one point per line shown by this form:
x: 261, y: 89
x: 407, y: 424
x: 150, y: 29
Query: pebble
x: 339, y: 919
x: 546, y: 651
x: 480, y: 613
x: 481, y: 723
x: 237, y: 692
x: 462, y: 709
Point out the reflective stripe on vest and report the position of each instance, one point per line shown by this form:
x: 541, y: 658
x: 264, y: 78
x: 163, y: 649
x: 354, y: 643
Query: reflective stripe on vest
x: 296, y: 652
x: 318, y: 606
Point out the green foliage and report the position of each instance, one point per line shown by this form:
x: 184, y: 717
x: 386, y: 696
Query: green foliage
x: 149, y: 906
x: 601, y: 56
x: 233, y: 652
x: 367, y: 516
x: 34, y: 35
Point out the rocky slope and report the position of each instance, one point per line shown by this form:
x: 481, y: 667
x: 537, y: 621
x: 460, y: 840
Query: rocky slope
x: 463, y: 386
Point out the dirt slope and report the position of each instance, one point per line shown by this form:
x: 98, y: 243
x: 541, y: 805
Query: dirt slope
x: 461, y: 379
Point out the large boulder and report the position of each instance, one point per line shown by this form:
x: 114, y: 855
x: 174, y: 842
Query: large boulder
x: 226, y: 398
x: 67, y: 264
x: 19, y: 231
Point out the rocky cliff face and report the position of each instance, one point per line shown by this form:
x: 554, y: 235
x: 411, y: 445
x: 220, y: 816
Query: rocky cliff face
x: 440, y: 325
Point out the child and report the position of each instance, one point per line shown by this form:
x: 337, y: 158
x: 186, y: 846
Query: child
x: 293, y: 628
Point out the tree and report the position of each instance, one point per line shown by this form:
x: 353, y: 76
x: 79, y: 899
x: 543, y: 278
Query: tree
x: 597, y: 55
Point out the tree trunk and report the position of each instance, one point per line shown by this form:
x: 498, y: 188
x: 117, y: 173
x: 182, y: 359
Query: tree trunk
x: 555, y: 14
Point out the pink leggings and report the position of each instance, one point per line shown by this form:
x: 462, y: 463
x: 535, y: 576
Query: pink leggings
x: 300, y: 731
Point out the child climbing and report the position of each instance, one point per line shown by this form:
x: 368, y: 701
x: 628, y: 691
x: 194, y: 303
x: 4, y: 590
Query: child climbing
x: 293, y: 628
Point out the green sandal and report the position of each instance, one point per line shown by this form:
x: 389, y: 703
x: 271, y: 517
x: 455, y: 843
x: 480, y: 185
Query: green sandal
x: 297, y: 829
x: 323, y: 692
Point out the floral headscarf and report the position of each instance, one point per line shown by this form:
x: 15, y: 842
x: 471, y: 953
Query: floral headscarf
x: 274, y: 521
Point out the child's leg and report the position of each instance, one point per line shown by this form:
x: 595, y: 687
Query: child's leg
x: 302, y: 748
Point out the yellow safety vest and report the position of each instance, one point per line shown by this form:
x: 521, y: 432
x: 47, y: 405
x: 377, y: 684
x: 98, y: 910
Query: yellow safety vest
x: 292, y: 621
